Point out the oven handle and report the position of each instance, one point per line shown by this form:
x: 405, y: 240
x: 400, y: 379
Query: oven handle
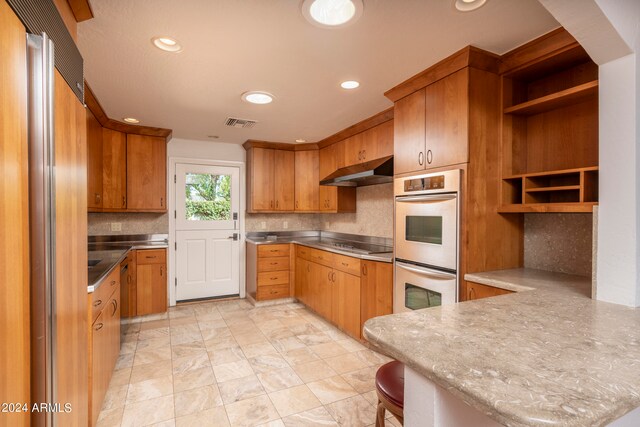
x: 433, y: 274
x: 427, y: 198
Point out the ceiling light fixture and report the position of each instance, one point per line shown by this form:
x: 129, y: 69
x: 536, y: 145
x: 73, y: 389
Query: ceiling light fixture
x: 468, y: 5
x: 349, y: 84
x: 332, y: 13
x: 299, y: 140
x: 258, y: 97
x: 167, y: 44
x: 131, y: 120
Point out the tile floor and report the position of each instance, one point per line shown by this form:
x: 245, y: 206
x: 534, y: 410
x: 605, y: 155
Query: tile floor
x: 228, y: 363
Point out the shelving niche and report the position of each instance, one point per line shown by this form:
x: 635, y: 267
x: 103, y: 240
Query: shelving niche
x: 550, y: 127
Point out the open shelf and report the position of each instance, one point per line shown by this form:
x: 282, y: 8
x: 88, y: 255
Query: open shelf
x: 555, y: 100
x: 568, y: 190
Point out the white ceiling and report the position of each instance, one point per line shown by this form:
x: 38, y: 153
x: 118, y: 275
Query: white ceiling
x: 232, y: 46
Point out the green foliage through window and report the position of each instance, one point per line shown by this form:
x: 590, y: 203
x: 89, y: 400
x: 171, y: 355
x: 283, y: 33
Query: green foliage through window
x: 208, y: 197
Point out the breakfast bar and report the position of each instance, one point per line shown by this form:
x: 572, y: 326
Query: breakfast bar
x: 545, y: 355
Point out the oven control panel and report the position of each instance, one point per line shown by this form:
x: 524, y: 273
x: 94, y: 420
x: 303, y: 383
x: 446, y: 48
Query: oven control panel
x: 435, y: 182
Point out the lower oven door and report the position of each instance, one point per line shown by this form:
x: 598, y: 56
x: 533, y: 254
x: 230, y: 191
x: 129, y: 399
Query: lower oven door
x: 418, y: 287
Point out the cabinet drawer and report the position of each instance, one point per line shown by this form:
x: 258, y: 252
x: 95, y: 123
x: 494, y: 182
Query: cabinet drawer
x: 152, y: 256
x: 266, y: 251
x: 273, y: 278
x: 273, y: 264
x: 347, y: 264
x: 100, y: 297
x: 272, y: 292
x: 321, y: 257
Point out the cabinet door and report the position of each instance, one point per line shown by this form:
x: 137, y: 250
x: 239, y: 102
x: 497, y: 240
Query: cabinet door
x: 346, y: 302
x: 446, y: 120
x: 94, y: 162
x: 307, y: 186
x: 478, y: 291
x: 99, y: 345
x: 409, y: 133
x: 112, y: 320
x: 328, y: 161
x: 146, y: 173
x: 114, y: 170
x: 284, y: 180
x: 261, y: 170
x: 303, y: 274
x: 128, y: 294
x: 353, y: 149
x: 323, y: 286
x: 369, y: 150
x: 328, y: 198
x: 151, y: 289
x: 383, y: 136
x: 376, y: 282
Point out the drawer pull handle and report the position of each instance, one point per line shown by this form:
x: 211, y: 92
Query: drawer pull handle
x: 150, y: 256
x: 274, y: 292
x: 345, y: 264
x: 273, y: 263
x: 113, y: 282
x: 274, y: 278
x: 97, y: 303
x: 98, y: 326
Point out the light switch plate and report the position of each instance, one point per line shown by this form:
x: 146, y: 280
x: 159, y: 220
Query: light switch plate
x: 285, y: 224
x: 263, y: 225
x: 116, y: 226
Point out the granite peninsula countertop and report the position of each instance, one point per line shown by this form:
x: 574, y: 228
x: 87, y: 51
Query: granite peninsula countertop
x: 546, y: 355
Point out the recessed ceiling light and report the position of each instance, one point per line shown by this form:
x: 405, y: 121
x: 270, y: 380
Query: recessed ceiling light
x: 332, y: 13
x: 301, y: 140
x: 468, y: 5
x: 167, y: 44
x: 257, y: 97
x: 131, y: 120
x: 349, y: 84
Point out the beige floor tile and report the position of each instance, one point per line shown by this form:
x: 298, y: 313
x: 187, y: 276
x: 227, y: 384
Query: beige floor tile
x: 128, y: 347
x: 254, y: 337
x: 251, y: 412
x: 156, y: 324
x: 115, y: 397
x: 226, y: 355
x: 305, y: 328
x: 352, y: 412
x: 211, y: 316
x: 186, y: 337
x: 287, y: 344
x: 241, y: 389
x: 258, y: 349
x: 274, y: 423
x: 336, y: 334
x: 278, y: 379
x: 148, y: 412
x: 193, y: 379
x: 372, y: 358
x: 186, y: 320
x: 319, y: 417
x: 184, y: 329
x: 190, y: 363
x: 299, y: 355
x: 347, y: 362
x: 278, y: 334
x: 167, y: 423
x: 218, y: 332
x: 351, y: 345
x: 218, y: 343
x: 152, y: 355
x: 215, y: 417
x: 150, y: 371
x: 268, y: 363
x: 246, y: 327
x: 125, y: 361
x: 326, y: 350
x: 232, y: 371
x: 207, y: 325
x: 153, y: 333
x: 294, y: 400
x: 314, y: 371
x: 150, y: 389
x: 197, y: 400
x: 332, y: 389
x: 152, y: 343
x: 110, y: 417
x: 191, y: 349
x: 314, y: 338
x: 269, y: 325
x: 363, y: 380
x: 120, y: 377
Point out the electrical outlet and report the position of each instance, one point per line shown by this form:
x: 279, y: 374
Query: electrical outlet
x: 285, y: 224
x: 263, y: 225
x: 116, y: 226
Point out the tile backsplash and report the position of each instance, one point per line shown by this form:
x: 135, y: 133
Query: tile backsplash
x: 559, y: 242
x: 130, y: 223
x: 276, y: 222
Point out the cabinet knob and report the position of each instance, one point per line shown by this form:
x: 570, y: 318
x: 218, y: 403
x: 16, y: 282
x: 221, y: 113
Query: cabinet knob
x: 98, y: 326
x: 364, y: 154
x: 161, y: 201
x: 364, y: 269
x: 277, y: 204
x: 97, y: 303
x: 297, y: 204
x: 124, y: 202
x: 421, y: 158
x: 429, y: 156
x: 113, y: 282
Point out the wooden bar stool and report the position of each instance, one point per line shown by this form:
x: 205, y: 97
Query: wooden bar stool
x: 390, y: 389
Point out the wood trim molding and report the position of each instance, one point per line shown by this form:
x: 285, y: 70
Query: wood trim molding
x: 373, y: 121
x: 469, y: 56
x: 94, y: 105
x: 81, y: 9
x: 254, y: 143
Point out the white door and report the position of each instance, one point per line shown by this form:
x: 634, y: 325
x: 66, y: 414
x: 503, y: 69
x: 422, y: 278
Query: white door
x: 208, y: 245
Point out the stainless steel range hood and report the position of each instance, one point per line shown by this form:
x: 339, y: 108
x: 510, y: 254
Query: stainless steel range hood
x: 378, y: 171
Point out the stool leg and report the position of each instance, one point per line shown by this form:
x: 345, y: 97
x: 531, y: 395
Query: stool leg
x: 380, y: 415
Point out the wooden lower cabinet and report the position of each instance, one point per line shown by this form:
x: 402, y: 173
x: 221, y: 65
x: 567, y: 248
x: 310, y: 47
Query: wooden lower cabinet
x: 104, y: 344
x: 151, y: 281
x: 345, y: 290
x: 128, y: 287
x: 475, y: 291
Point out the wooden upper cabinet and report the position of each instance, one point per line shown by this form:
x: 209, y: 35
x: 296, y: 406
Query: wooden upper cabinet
x: 353, y: 149
x: 306, y: 181
x: 409, y: 133
x: 383, y: 136
x: 284, y: 180
x: 94, y: 162
x: 446, y: 120
x: 261, y: 175
x: 328, y: 160
x: 114, y: 170
x: 146, y: 173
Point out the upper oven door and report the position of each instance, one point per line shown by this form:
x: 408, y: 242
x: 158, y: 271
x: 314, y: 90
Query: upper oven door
x: 426, y: 229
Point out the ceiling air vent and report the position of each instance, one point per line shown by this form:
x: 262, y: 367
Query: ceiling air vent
x: 239, y: 123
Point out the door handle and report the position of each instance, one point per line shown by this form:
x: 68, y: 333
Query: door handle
x: 429, y: 156
x: 277, y: 204
x: 364, y: 154
x: 421, y: 158
x: 115, y: 307
x: 233, y: 237
x: 161, y: 201
x: 98, y: 326
x: 364, y: 269
x: 333, y: 277
x: 97, y: 303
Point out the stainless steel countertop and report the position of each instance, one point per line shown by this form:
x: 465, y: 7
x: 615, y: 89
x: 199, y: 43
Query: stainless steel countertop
x: 312, y: 239
x: 112, y: 253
